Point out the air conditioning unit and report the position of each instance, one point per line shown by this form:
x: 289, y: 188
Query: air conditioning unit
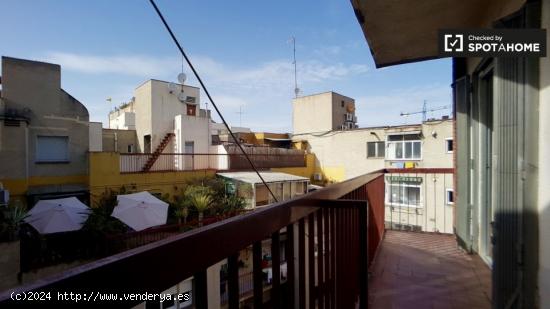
x: 349, y: 117
x: 317, y: 177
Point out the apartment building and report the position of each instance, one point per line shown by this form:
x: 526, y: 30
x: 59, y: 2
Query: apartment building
x: 502, y: 126
x: 44, y: 133
x: 414, y: 201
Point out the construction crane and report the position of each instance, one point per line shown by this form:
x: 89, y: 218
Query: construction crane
x: 425, y: 110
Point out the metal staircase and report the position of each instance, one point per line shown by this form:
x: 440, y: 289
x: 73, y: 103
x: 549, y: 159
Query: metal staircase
x: 154, y: 156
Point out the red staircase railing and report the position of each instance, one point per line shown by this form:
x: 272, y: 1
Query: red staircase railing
x: 154, y: 156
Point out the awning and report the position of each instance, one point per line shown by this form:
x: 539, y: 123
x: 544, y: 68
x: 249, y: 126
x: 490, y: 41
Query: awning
x: 278, y: 139
x: 252, y: 177
x: 403, y: 132
x: 401, y: 31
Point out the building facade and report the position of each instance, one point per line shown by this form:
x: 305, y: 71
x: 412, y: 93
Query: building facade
x: 502, y: 127
x: 323, y: 112
x: 414, y: 201
x: 44, y: 133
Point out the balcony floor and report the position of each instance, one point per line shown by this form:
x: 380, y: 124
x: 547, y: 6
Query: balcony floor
x: 427, y: 270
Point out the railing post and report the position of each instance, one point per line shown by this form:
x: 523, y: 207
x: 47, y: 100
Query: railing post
x: 276, y: 267
x: 290, y: 269
x: 233, y: 281
x: 311, y: 259
x: 301, y: 264
x: 320, y: 259
x: 363, y: 256
x: 200, y: 291
x: 257, y: 274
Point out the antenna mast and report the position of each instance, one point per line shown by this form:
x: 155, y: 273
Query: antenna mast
x: 296, y: 89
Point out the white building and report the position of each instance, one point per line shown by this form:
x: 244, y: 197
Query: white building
x: 414, y: 200
x: 167, y: 111
x: 323, y: 112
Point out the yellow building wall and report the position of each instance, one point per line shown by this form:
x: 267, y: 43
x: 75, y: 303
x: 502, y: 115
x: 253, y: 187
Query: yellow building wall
x: 334, y: 174
x: 18, y: 187
x: 105, y: 174
x: 330, y: 174
x: 306, y: 171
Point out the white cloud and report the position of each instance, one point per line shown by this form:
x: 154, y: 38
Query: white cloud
x: 125, y: 64
x: 265, y: 89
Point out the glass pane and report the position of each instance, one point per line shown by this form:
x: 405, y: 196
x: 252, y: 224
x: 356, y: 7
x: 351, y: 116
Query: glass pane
x: 408, y: 150
x: 411, y: 196
x: 394, y: 194
x: 286, y: 190
x: 395, y: 138
x: 417, y: 151
x: 399, y: 151
x: 262, y: 195
x: 381, y: 149
x: 371, y: 149
x: 391, y: 150
x: 411, y: 137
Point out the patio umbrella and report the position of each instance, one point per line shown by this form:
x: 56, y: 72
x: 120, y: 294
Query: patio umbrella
x: 59, y: 215
x: 140, y: 210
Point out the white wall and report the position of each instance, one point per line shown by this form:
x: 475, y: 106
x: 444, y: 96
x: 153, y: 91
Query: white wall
x: 320, y: 112
x: 155, y: 109
x: 544, y: 163
x: 192, y: 129
x: 165, y: 106
x: 96, y: 136
x: 347, y: 150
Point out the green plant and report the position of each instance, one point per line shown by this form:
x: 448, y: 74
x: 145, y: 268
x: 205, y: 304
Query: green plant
x: 232, y: 203
x: 200, y: 198
x: 12, y: 218
x: 100, y: 219
x: 180, y: 208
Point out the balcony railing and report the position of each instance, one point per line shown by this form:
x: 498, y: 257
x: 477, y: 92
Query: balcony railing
x: 420, y: 199
x: 135, y: 162
x: 331, y: 237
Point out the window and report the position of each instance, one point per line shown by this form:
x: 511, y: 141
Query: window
x: 376, y: 149
x: 403, y: 191
x: 130, y: 148
x: 449, y: 197
x: 342, y: 104
x: 404, y: 147
x: 449, y: 145
x: 52, y: 148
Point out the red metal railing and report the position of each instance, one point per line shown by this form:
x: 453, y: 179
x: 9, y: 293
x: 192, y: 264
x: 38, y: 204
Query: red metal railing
x: 135, y: 162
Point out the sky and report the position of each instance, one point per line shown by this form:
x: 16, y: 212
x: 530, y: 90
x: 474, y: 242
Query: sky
x: 241, y: 49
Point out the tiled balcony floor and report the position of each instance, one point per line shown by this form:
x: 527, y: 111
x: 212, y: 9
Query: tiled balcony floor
x: 427, y: 270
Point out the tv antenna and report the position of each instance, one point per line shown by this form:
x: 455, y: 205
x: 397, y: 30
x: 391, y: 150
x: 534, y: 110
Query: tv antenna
x: 240, y: 112
x: 296, y: 89
x: 425, y: 111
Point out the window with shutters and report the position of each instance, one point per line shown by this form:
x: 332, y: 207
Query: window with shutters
x: 52, y: 149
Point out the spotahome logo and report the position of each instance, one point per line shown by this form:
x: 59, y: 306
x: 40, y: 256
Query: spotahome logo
x: 492, y: 43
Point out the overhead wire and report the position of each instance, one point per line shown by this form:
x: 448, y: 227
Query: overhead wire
x: 192, y: 67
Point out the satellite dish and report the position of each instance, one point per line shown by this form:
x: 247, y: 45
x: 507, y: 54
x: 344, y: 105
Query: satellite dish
x: 182, y: 96
x: 350, y: 108
x: 172, y: 87
x: 181, y: 78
